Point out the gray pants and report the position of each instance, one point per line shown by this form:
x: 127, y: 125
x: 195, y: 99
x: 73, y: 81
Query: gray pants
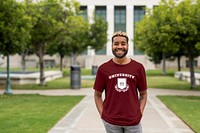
x: 110, y: 128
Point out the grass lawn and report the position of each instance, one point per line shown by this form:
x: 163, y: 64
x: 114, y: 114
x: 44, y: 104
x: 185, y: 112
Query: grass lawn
x: 33, y: 113
x: 167, y: 82
x: 186, y: 107
x: 155, y: 79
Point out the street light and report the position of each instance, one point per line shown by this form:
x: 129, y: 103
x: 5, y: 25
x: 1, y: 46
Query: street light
x: 8, y: 88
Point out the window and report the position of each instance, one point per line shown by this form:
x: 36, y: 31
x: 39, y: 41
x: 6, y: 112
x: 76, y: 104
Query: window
x: 85, y: 16
x: 100, y: 11
x: 120, y: 18
x: 84, y: 12
x: 139, y: 12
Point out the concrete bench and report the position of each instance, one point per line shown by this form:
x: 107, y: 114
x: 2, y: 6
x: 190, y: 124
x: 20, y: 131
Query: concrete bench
x: 29, y: 78
x: 185, y: 76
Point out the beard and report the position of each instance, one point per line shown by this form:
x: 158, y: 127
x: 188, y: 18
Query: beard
x: 122, y: 54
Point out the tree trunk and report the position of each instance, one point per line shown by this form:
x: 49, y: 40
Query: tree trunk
x: 61, y: 62
x: 41, y: 64
x: 8, y: 88
x: 163, y: 66
x: 192, y: 76
x: 23, y: 61
x: 179, y: 63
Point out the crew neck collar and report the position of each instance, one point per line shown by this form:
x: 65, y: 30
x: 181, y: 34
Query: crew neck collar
x: 121, y: 64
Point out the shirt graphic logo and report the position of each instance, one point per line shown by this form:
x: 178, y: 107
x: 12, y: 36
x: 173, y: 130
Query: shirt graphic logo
x: 121, y: 85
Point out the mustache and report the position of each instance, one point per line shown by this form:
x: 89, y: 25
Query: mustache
x: 119, y: 49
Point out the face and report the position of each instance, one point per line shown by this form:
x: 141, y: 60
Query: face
x: 119, y: 46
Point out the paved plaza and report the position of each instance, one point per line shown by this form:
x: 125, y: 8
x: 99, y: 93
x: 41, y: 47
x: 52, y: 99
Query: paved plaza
x: 84, y: 118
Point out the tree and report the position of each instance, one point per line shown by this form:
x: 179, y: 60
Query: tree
x: 60, y: 43
x: 28, y: 50
x: 44, y: 30
x: 98, y: 33
x: 14, y: 30
x: 197, y: 22
x: 72, y: 41
x: 78, y: 37
x: 172, y: 28
x: 154, y: 32
x: 14, y: 27
x: 187, y: 32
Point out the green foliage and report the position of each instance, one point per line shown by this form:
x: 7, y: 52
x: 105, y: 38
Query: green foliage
x: 60, y: 44
x: 61, y: 14
x: 15, y: 27
x: 186, y: 28
x: 154, y: 32
x: 45, y: 25
x: 98, y: 33
x: 45, y: 28
x: 186, y: 107
x: 33, y: 113
x: 78, y: 34
x: 171, y: 28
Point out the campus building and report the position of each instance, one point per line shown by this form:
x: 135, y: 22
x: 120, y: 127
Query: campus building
x: 120, y: 15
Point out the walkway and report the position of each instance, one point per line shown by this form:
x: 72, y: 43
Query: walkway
x: 83, y: 118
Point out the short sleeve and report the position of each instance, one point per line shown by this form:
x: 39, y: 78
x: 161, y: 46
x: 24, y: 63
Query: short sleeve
x: 142, y: 84
x: 99, y: 83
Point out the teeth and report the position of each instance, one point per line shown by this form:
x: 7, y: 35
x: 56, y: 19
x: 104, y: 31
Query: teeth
x: 119, y: 52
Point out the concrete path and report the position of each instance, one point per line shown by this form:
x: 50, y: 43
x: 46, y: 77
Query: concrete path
x: 84, y: 118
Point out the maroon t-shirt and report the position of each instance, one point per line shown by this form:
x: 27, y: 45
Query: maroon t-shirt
x: 121, y: 84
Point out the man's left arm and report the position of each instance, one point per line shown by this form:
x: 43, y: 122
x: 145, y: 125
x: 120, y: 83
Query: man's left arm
x: 143, y: 100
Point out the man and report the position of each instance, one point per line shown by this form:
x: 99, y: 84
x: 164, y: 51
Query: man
x: 122, y: 79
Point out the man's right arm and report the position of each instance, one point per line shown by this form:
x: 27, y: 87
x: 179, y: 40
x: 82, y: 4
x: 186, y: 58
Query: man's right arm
x: 98, y: 101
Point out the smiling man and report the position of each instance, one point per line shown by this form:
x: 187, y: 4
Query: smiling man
x: 122, y: 79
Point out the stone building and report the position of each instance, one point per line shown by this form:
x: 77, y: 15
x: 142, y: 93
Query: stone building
x: 120, y: 15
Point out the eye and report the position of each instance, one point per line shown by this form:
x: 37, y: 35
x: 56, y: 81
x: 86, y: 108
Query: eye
x: 123, y: 43
x: 116, y: 43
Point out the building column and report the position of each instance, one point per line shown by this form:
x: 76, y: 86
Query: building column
x: 110, y: 20
x: 129, y: 28
x: 90, y: 13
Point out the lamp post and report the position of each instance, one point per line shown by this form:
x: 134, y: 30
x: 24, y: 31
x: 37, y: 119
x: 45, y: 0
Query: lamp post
x: 8, y: 88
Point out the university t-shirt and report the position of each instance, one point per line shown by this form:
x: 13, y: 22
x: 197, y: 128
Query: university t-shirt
x: 121, y: 84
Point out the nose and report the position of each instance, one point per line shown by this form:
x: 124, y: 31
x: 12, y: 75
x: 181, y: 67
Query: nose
x: 120, y: 46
